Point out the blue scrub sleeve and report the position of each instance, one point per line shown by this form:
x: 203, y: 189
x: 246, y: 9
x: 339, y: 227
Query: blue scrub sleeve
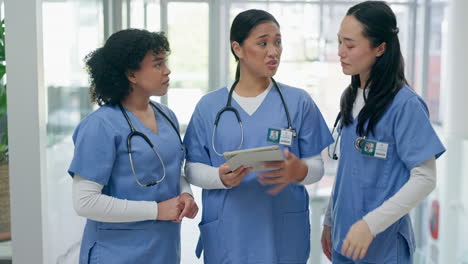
x: 95, y: 150
x: 314, y: 134
x: 195, y: 139
x: 415, y: 138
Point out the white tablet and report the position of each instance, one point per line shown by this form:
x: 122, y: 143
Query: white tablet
x: 253, y: 157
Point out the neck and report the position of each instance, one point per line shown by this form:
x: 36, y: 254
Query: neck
x: 363, y: 79
x: 250, y: 85
x: 136, y: 102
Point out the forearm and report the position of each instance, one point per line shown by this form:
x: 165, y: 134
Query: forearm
x: 203, y: 176
x: 421, y: 182
x: 184, y: 185
x: 89, y: 202
x: 328, y: 219
x: 315, y: 169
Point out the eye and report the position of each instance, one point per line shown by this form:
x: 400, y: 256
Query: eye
x: 278, y: 42
x: 262, y: 44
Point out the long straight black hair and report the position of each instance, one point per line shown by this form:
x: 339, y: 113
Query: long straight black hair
x: 387, y: 75
x: 243, y: 24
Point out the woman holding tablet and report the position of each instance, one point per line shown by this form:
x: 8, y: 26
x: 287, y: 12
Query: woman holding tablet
x: 243, y: 221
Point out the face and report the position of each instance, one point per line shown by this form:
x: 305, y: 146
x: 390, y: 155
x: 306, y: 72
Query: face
x: 356, y: 54
x: 153, y: 76
x: 260, y: 53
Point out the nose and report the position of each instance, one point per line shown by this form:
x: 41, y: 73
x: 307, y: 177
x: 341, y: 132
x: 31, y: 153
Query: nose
x: 341, y: 52
x: 168, y: 71
x: 274, y: 52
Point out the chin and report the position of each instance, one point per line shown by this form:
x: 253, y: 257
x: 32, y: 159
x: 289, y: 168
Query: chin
x: 347, y: 72
x: 160, y: 93
x: 270, y: 73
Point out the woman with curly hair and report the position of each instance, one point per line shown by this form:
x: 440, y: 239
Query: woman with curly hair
x: 128, y: 155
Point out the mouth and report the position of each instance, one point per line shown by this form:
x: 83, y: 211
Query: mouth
x: 166, y: 82
x: 272, y: 64
x: 344, y: 64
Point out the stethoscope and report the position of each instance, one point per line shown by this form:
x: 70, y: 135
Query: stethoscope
x: 358, y: 143
x: 136, y: 133
x: 229, y: 107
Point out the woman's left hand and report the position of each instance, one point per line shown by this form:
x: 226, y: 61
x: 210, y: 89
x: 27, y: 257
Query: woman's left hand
x: 190, y: 209
x: 357, y: 240
x: 290, y: 170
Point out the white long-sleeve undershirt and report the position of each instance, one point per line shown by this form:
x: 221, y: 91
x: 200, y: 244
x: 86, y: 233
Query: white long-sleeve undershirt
x: 207, y: 177
x: 89, y: 202
x: 421, y: 182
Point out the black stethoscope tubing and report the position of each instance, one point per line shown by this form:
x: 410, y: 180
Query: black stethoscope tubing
x: 230, y: 108
x: 134, y: 132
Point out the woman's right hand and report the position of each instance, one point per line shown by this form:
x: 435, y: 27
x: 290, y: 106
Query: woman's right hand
x: 232, y: 178
x: 170, y: 209
x: 326, y: 242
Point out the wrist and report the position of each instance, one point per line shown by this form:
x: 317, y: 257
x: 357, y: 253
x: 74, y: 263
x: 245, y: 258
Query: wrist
x: 303, y: 170
x: 227, y: 186
x: 157, y: 211
x: 189, y: 194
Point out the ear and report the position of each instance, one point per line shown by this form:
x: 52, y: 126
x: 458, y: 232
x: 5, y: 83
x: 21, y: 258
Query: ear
x: 131, y: 76
x: 236, y: 47
x: 380, y: 50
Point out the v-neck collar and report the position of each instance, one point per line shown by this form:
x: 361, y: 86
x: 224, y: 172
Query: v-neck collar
x: 141, y: 124
x: 238, y: 99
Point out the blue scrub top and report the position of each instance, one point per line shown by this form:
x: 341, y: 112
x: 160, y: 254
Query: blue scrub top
x: 363, y: 183
x: 245, y: 224
x: 101, y: 156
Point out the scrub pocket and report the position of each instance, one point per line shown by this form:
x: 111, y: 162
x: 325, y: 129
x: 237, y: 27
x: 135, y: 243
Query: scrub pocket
x: 213, y: 246
x: 406, y: 237
x: 403, y: 251
x: 295, y: 238
x: 88, y: 254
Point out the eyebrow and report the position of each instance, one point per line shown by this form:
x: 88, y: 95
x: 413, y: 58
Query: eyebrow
x: 345, y: 38
x: 159, y: 59
x: 266, y: 35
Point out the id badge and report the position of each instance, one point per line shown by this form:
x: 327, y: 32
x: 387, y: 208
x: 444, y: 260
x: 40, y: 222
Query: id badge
x: 280, y: 136
x: 374, y: 148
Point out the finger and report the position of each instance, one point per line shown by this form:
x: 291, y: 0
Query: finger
x: 236, y: 172
x: 363, y: 253
x: 278, y: 188
x: 273, y: 164
x: 325, y: 248
x: 345, y: 246
x: 329, y: 255
x: 180, y: 205
x: 328, y: 247
x: 224, y: 168
x: 356, y: 254
x: 289, y: 155
x: 184, y: 213
x: 275, y: 180
x: 194, y: 212
x: 242, y: 174
x: 273, y: 173
x: 349, y: 252
x: 193, y: 208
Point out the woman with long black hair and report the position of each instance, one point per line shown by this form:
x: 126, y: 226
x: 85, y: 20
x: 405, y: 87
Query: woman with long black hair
x: 388, y: 147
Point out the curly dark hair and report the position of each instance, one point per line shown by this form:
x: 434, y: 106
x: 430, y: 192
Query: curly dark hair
x: 123, y: 51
